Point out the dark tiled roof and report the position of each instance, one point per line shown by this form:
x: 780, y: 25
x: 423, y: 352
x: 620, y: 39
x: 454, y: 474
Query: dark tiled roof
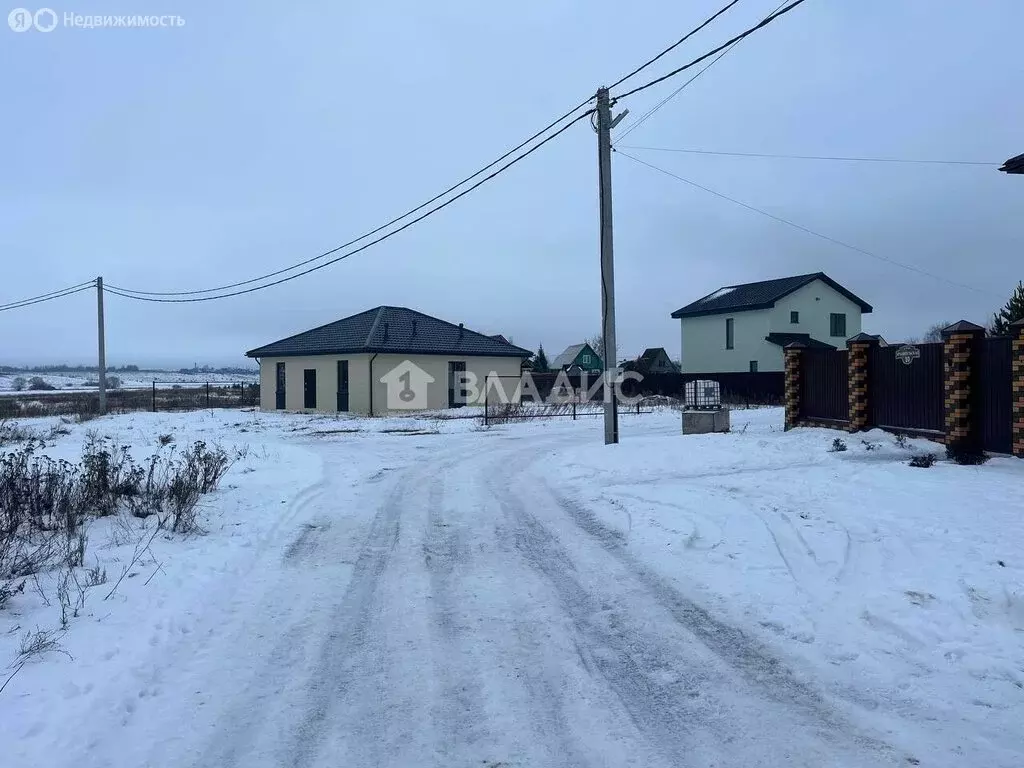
x: 782, y: 339
x: 762, y: 295
x: 651, y: 354
x: 1013, y: 165
x: 390, y: 329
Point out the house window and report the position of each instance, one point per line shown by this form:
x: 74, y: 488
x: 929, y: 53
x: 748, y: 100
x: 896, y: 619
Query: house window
x: 837, y: 324
x: 585, y: 359
x: 794, y: 317
x: 729, y: 333
x: 753, y: 366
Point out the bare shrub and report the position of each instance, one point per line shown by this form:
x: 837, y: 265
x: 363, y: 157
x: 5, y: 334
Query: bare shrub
x: 12, y: 432
x: 19, y: 383
x: 38, y: 643
x: 165, y: 439
x: 39, y: 384
x: 9, y: 589
x: 923, y: 460
x: 838, y: 446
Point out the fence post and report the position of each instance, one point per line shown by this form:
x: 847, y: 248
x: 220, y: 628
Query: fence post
x: 487, y: 381
x: 858, y: 366
x: 962, y: 428
x: 207, y: 394
x: 574, y: 407
x: 792, y: 356
x: 1017, y: 335
x: 154, y: 397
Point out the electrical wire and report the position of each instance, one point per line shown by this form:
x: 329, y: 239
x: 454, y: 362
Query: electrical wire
x: 802, y: 228
x: 763, y: 23
x: 437, y: 197
x: 808, y: 157
x: 674, y: 45
x: 48, y: 296
x: 644, y: 117
x: 556, y: 134
x: 372, y: 232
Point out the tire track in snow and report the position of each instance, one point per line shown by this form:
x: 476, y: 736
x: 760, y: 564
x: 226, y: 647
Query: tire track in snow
x: 668, y: 694
x: 458, y: 714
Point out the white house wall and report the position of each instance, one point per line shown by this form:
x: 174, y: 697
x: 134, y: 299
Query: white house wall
x: 326, y: 367
x: 816, y: 302
x: 437, y: 367
x: 703, y: 343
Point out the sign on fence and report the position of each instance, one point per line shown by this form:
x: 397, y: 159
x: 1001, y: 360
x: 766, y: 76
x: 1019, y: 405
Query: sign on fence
x: 907, y: 354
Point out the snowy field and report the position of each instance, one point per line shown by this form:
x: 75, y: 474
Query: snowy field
x: 422, y: 591
x: 73, y: 381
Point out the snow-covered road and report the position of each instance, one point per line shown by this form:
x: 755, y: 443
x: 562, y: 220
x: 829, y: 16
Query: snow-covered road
x: 433, y: 593
x: 468, y: 616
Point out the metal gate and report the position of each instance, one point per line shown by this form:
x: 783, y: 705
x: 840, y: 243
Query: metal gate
x: 906, y: 391
x: 825, y: 384
x: 994, y: 380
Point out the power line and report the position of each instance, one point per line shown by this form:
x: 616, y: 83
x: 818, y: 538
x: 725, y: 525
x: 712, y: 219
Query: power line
x: 763, y: 23
x: 437, y: 197
x: 674, y: 45
x: 48, y: 296
x: 810, y: 157
x: 802, y: 228
x: 556, y: 134
x: 643, y: 118
x: 372, y: 232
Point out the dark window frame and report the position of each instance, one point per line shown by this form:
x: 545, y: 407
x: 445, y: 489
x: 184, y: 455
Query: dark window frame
x: 794, y: 317
x: 837, y: 325
x: 730, y: 333
x: 753, y: 366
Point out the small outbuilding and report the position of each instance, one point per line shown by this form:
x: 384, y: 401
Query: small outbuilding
x: 384, y: 359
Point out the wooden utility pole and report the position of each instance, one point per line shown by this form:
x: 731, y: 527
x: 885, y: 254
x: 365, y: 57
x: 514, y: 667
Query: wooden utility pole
x: 605, y: 123
x: 102, y: 346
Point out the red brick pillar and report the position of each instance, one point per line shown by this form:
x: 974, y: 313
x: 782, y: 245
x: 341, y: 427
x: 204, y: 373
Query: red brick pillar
x: 792, y: 357
x: 962, y: 430
x: 1017, y: 333
x: 858, y: 364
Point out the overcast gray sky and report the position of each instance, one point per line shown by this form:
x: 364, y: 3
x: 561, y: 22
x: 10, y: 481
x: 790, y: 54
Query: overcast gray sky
x: 260, y: 134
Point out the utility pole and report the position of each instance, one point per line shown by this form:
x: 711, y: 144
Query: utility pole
x: 605, y: 123
x: 102, y: 346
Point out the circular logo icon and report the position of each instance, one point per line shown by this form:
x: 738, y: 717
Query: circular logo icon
x: 45, y: 20
x: 20, y: 20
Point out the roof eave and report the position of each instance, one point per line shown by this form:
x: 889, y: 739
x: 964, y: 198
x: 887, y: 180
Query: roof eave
x: 387, y: 351
x: 683, y: 313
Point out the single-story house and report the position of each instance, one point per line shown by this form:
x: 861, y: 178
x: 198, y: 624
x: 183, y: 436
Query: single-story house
x: 578, y: 358
x: 654, y: 360
x: 384, y: 359
x: 745, y: 327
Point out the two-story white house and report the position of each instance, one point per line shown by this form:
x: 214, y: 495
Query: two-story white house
x: 745, y: 327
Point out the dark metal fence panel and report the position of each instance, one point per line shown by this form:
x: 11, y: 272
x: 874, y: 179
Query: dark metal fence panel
x: 907, y: 396
x: 994, y: 379
x: 825, y: 384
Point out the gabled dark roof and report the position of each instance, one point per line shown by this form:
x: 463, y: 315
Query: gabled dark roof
x: 1013, y: 165
x: 762, y: 295
x: 390, y: 329
x: 783, y: 339
x: 651, y: 354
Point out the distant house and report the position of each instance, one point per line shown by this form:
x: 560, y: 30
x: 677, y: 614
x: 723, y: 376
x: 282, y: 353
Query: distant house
x: 745, y: 327
x: 352, y: 363
x: 654, y: 360
x: 578, y: 358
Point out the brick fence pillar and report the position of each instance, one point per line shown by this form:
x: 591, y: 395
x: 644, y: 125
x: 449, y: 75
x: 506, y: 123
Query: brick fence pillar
x: 858, y: 363
x: 1017, y: 332
x: 792, y: 356
x: 962, y: 428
